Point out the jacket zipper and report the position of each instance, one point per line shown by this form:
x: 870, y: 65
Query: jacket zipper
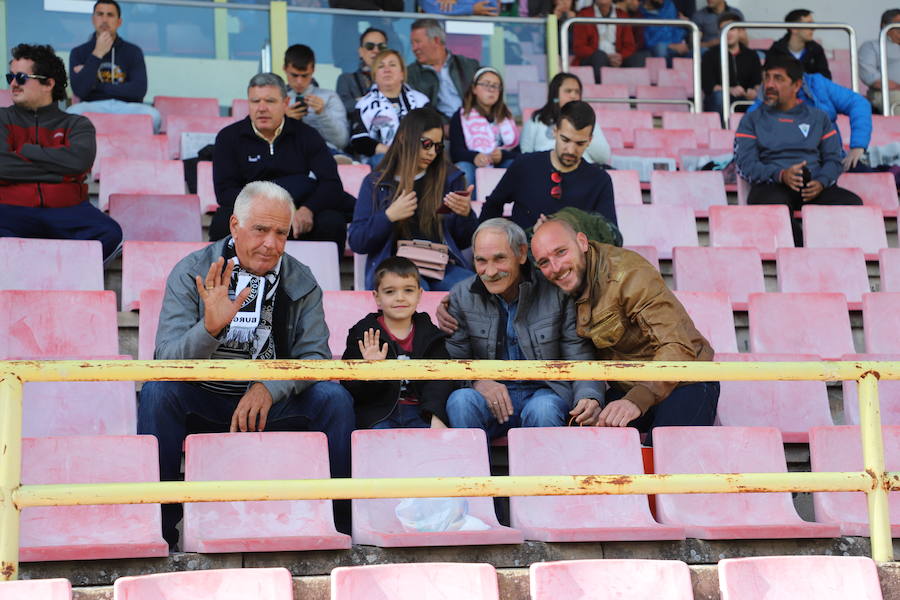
x: 40, y: 191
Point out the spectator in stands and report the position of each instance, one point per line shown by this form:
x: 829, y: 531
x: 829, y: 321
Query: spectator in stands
x: 788, y: 149
x: 439, y: 74
x: 510, y: 312
x: 604, y: 45
x: 345, y: 27
x: 319, y: 108
x: 632, y: 10
x: 353, y: 86
x: 108, y: 74
x: 483, y: 132
x: 799, y: 44
x: 624, y: 307
x: 397, y: 331
x: 243, y: 298
x: 541, y: 183
x: 378, y: 114
x: 870, y: 62
x: 744, y: 71
x: 664, y: 41
x: 415, y: 194
x: 478, y: 8
x: 266, y: 146
x: 538, y: 134
x: 708, y: 19
x: 46, y: 158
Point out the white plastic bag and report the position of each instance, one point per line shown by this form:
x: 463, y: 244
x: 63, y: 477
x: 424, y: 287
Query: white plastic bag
x: 437, y: 514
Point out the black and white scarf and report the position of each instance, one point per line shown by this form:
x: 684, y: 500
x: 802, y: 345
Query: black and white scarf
x: 379, y: 115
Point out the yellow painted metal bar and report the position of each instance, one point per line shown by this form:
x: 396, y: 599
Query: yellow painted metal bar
x: 278, y: 33
x: 425, y: 487
x: 873, y: 461
x: 10, y: 473
x: 552, y: 46
x: 220, y: 23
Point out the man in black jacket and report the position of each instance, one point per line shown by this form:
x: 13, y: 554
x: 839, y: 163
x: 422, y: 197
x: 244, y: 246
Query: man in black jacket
x: 744, y: 70
x: 799, y: 44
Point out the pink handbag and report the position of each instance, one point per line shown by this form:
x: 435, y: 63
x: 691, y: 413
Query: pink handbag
x: 429, y: 257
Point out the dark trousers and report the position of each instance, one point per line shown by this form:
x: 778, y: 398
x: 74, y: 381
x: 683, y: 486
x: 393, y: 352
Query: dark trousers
x: 778, y: 193
x: 690, y: 405
x: 80, y: 222
x: 170, y: 410
x: 601, y: 59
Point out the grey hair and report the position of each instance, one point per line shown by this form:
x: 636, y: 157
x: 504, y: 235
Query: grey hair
x: 260, y: 189
x: 514, y: 234
x: 431, y: 27
x: 267, y: 79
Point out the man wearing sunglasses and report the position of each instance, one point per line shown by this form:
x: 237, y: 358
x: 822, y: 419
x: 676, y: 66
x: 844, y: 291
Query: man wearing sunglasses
x: 353, y: 86
x: 108, y: 74
x: 46, y: 156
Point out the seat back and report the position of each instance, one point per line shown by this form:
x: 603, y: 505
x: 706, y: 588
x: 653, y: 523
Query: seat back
x: 79, y: 408
x: 661, y: 226
x: 173, y: 105
x: 881, y: 322
x: 148, y: 322
x: 625, y: 121
x: 737, y: 272
x: 787, y: 577
x: 800, y: 324
x: 129, y: 176
x: 838, y: 270
x: 697, y: 189
x: 875, y: 189
x: 486, y: 179
x: 682, y: 120
x: 762, y: 227
x: 146, y: 266
x: 37, y: 264
x: 352, y: 177
x: 212, y: 584
x: 628, y: 77
x: 123, y: 145
x: 889, y: 269
x: 135, y: 126
x: 415, y: 581
x: 205, y: 188
x: 605, y: 90
x: 626, y: 186
x: 322, y: 260
x: 240, y: 108
x: 157, y: 217
x: 844, y: 227
x: 176, y: 124
x: 611, y: 578
x: 36, y: 589
x: 712, y: 316
x: 649, y: 254
x: 721, y: 138
x: 672, y: 140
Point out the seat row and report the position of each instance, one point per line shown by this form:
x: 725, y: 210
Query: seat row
x: 781, y: 577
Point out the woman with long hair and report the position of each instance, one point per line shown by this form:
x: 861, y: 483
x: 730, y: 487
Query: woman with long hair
x: 537, y: 134
x: 483, y: 132
x: 415, y: 194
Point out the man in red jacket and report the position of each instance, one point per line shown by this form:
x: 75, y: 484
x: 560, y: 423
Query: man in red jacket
x: 603, y: 45
x: 46, y: 156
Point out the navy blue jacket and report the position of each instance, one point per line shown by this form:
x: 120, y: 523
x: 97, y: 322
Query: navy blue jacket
x: 120, y: 75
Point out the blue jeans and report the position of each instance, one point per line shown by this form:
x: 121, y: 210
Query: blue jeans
x: 538, y: 408
x: 452, y: 275
x: 117, y: 107
x: 662, y: 50
x: 691, y: 405
x: 403, y: 416
x: 80, y: 222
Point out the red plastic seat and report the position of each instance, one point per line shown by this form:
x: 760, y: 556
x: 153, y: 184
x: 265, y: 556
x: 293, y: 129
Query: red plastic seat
x: 205, y: 187
x: 79, y: 408
x: 121, y: 145
x: 128, y: 176
x: 839, y: 270
x: 240, y: 108
x: 648, y: 252
x: 58, y: 325
x: 486, y: 179
x: 425, y: 453
x: 672, y: 140
x: 157, y: 217
x: 721, y: 138
x: 90, y: 532
x: 697, y: 189
x: 712, y: 316
x: 762, y: 227
x: 146, y: 266
x: 626, y: 186
x: 629, y: 77
x: 735, y: 119
x: 736, y: 515
x: 665, y: 92
x: 593, y: 518
x: 800, y: 324
x: 176, y: 124
x: 844, y: 227
x: 605, y: 90
x: 584, y: 73
x: 614, y: 138
x: 37, y: 264
x: 680, y: 77
x: 655, y: 65
x: 173, y: 105
x: 148, y: 322
x: 737, y: 272
x: 136, y: 126
x: 532, y: 94
x: 881, y: 322
x: 626, y: 121
x: 352, y: 177
x: 415, y: 581
x: 889, y: 269
x: 322, y: 260
x: 681, y: 120
x: 875, y: 189
x: 611, y: 578
x: 661, y: 226
x: 792, y: 577
x: 212, y: 584
x: 278, y: 526
x: 36, y: 589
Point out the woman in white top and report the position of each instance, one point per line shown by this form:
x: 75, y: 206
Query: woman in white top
x: 537, y: 134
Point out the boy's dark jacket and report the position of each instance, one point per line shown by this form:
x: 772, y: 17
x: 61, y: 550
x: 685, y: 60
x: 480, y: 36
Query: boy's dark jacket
x: 375, y: 400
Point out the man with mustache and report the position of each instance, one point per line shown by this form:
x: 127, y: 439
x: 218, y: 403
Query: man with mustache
x: 508, y: 311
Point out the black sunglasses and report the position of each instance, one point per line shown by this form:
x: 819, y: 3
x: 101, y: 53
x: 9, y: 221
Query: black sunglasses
x: 373, y: 45
x: 427, y: 145
x: 21, y: 78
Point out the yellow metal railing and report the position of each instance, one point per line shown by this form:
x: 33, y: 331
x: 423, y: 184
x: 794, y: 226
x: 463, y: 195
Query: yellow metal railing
x: 873, y: 480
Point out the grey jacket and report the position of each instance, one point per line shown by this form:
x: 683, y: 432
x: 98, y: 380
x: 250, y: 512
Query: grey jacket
x: 545, y: 325
x: 421, y: 78
x: 332, y: 124
x: 182, y: 334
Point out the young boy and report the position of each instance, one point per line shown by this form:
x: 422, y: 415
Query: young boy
x: 397, y: 331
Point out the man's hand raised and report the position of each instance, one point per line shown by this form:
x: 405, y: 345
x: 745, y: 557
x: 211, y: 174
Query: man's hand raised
x: 218, y: 308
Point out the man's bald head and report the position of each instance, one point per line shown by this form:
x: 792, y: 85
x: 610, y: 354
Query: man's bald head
x: 559, y: 253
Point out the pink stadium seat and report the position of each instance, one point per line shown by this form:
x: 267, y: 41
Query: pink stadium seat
x: 840, y: 449
x: 37, y: 264
x: 136, y: 126
x: 843, y: 124
x: 213, y: 584
x: 626, y: 186
x: 486, y: 179
x: 157, y: 217
x: 240, y: 108
x: 762, y: 227
x: 415, y: 581
x: 655, y: 64
x: 670, y: 139
x: 120, y: 145
x: 682, y: 78
x: 36, y: 589
x: 605, y: 90
x: 626, y: 121
x: 146, y: 266
x: 148, y: 322
x: 728, y: 516
x: 682, y: 65
x: 55, y: 325
x: 711, y: 313
x: 736, y: 272
x: 841, y: 270
x: 734, y: 120
x: 680, y: 120
x: 791, y: 577
x: 425, y: 453
x: 889, y: 269
x: 801, y: 324
x: 614, y: 138
x: 5, y: 98
x: 721, y: 138
x: 611, y: 578
x: 697, y: 189
x: 176, y: 124
x: 90, y: 532
x: 667, y: 92
x: 629, y: 77
x: 517, y: 73
x: 743, y: 190
x: 881, y: 322
x: 352, y: 177
x: 593, y: 518
x: 662, y: 226
x: 875, y: 189
x: 279, y: 526
x: 127, y: 176
x: 585, y: 74
x: 532, y: 94
x: 205, y: 188
x: 888, y: 394
x: 172, y: 105
x: 322, y: 260
x: 844, y: 227
x: 648, y: 252
x: 79, y: 408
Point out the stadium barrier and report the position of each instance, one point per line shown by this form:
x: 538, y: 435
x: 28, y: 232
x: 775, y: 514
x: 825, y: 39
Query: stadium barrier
x: 886, y: 107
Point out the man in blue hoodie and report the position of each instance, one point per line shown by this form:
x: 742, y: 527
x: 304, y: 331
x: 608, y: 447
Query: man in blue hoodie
x: 107, y: 73
x: 664, y: 41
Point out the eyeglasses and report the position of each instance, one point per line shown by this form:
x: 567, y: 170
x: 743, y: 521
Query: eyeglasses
x: 372, y: 45
x: 556, y: 188
x: 492, y: 87
x: 21, y: 78
x: 427, y: 144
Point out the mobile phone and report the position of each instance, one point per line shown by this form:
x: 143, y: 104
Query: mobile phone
x: 807, y: 176
x: 300, y: 103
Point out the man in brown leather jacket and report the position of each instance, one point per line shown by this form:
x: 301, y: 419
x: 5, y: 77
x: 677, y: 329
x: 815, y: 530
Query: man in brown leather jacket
x: 624, y: 307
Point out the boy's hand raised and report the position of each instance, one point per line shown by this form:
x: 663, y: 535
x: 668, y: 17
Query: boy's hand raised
x: 369, y: 347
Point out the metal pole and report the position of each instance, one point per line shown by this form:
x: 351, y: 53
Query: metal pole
x: 695, y: 69
x: 885, y: 82
x: 873, y: 463
x: 10, y: 473
x: 553, y: 47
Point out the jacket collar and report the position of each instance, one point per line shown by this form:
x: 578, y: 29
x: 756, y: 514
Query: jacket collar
x: 296, y: 279
x: 42, y: 111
